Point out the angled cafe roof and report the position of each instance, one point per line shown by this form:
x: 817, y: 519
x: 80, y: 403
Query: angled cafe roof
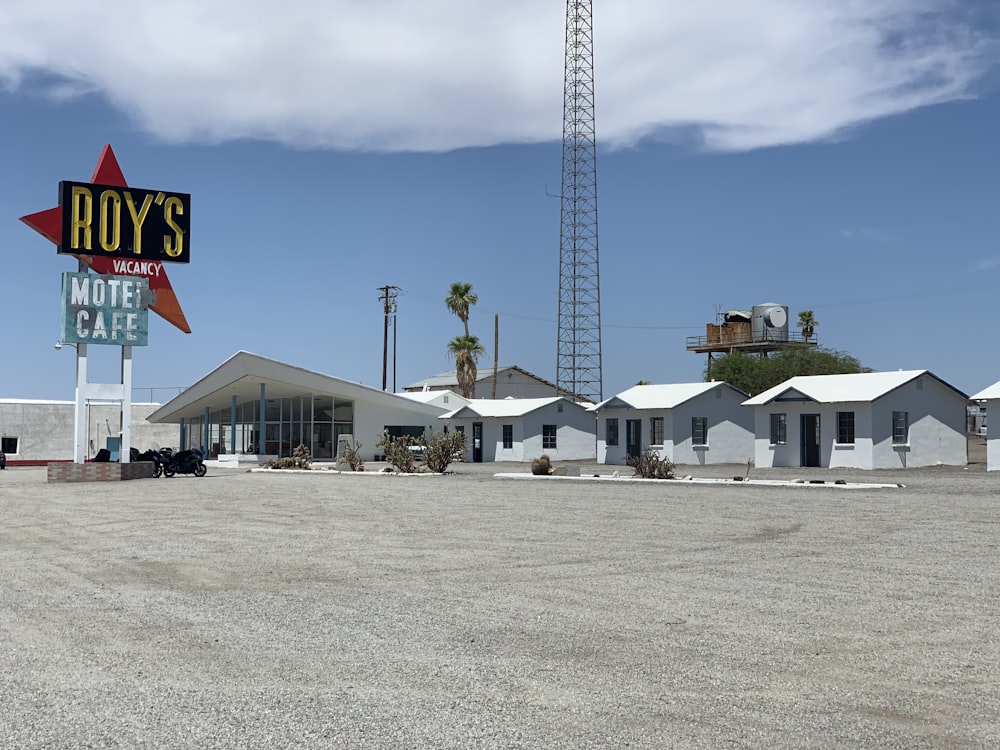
x: 242, y: 374
x: 505, y: 407
x: 851, y: 387
x: 665, y: 396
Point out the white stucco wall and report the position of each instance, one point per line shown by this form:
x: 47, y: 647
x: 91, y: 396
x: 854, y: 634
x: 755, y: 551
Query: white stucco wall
x: 936, y: 432
x: 993, y: 435
x: 371, y: 419
x: 574, y: 434
x: 730, y: 430
x: 44, y: 429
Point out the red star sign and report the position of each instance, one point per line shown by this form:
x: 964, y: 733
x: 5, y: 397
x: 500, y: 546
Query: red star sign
x: 48, y: 223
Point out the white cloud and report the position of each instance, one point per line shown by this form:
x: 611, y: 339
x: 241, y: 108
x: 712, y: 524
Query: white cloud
x: 443, y: 74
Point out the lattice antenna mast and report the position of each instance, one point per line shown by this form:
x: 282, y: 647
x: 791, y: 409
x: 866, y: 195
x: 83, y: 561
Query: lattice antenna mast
x: 578, y: 366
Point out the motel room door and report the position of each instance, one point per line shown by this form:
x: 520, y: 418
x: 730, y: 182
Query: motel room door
x: 477, y: 442
x: 633, y: 437
x: 809, y: 430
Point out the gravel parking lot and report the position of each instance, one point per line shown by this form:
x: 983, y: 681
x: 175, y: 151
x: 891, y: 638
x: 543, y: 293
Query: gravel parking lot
x: 463, y: 611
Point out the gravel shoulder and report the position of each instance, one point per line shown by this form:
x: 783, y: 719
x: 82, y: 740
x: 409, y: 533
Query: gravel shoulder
x: 465, y: 611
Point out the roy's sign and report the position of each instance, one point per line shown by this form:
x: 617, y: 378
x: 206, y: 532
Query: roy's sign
x: 122, y: 222
x: 105, y: 309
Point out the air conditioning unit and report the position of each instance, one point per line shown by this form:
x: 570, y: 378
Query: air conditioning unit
x: 769, y: 322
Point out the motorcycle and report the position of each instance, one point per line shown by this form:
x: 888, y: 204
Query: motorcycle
x: 186, y: 462
x: 159, y: 458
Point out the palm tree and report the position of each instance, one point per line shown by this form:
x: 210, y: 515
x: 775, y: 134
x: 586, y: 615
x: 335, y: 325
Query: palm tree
x: 466, y: 350
x: 807, y: 323
x: 460, y: 298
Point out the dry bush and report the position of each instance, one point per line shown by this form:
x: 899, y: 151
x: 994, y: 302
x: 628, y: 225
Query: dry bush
x: 441, y: 449
x: 300, y: 459
x: 541, y: 466
x: 649, y: 465
x: 352, y: 454
x: 397, y: 452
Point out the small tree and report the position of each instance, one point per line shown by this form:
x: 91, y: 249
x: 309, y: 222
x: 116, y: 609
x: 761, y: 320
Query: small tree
x: 649, y: 465
x: 460, y: 298
x: 807, y: 322
x: 443, y: 448
x: 466, y: 350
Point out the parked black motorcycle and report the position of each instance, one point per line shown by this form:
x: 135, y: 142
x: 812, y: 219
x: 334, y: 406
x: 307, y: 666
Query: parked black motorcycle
x: 159, y: 458
x: 185, y: 462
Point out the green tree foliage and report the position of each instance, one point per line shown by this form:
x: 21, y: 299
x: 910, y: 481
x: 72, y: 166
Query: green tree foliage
x: 466, y: 350
x: 460, y: 298
x: 753, y: 374
x: 807, y: 322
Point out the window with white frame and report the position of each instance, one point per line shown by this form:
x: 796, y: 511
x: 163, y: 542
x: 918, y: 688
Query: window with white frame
x: 779, y: 428
x: 611, y: 431
x: 508, y: 436
x: 900, y: 427
x: 699, y: 430
x: 656, y: 430
x: 845, y: 427
x: 548, y: 437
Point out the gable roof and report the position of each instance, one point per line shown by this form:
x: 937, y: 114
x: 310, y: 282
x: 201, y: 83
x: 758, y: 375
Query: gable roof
x: 449, y: 379
x: 426, y: 397
x: 662, y: 396
x: 506, y: 407
x: 850, y: 387
x: 242, y: 374
x: 989, y: 392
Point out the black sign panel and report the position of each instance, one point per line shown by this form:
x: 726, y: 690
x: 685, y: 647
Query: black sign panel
x: 125, y: 222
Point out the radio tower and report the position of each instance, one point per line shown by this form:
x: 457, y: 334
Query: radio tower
x: 578, y: 366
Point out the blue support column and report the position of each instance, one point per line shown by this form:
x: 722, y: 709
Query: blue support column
x: 232, y: 428
x: 260, y: 431
x: 183, y: 441
x: 208, y: 419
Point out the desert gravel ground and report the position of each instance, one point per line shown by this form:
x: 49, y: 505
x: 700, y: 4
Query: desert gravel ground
x: 464, y: 611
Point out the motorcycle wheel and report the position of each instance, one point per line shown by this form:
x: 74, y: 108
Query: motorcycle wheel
x: 169, y: 470
x: 200, y: 469
x: 157, y: 470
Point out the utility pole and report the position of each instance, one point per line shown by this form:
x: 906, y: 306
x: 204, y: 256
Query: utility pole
x: 388, y: 298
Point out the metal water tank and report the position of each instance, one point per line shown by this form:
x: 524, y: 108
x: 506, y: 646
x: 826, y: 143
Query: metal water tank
x: 769, y: 322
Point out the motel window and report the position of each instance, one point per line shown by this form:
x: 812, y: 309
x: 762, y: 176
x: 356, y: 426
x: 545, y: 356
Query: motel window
x: 779, y: 429
x: 845, y: 427
x: 699, y: 430
x: 656, y: 430
x: 611, y: 430
x: 8, y: 445
x: 508, y: 436
x: 900, y: 427
x: 548, y: 437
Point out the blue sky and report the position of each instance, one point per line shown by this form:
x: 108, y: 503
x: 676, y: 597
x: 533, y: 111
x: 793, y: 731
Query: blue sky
x: 841, y: 158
